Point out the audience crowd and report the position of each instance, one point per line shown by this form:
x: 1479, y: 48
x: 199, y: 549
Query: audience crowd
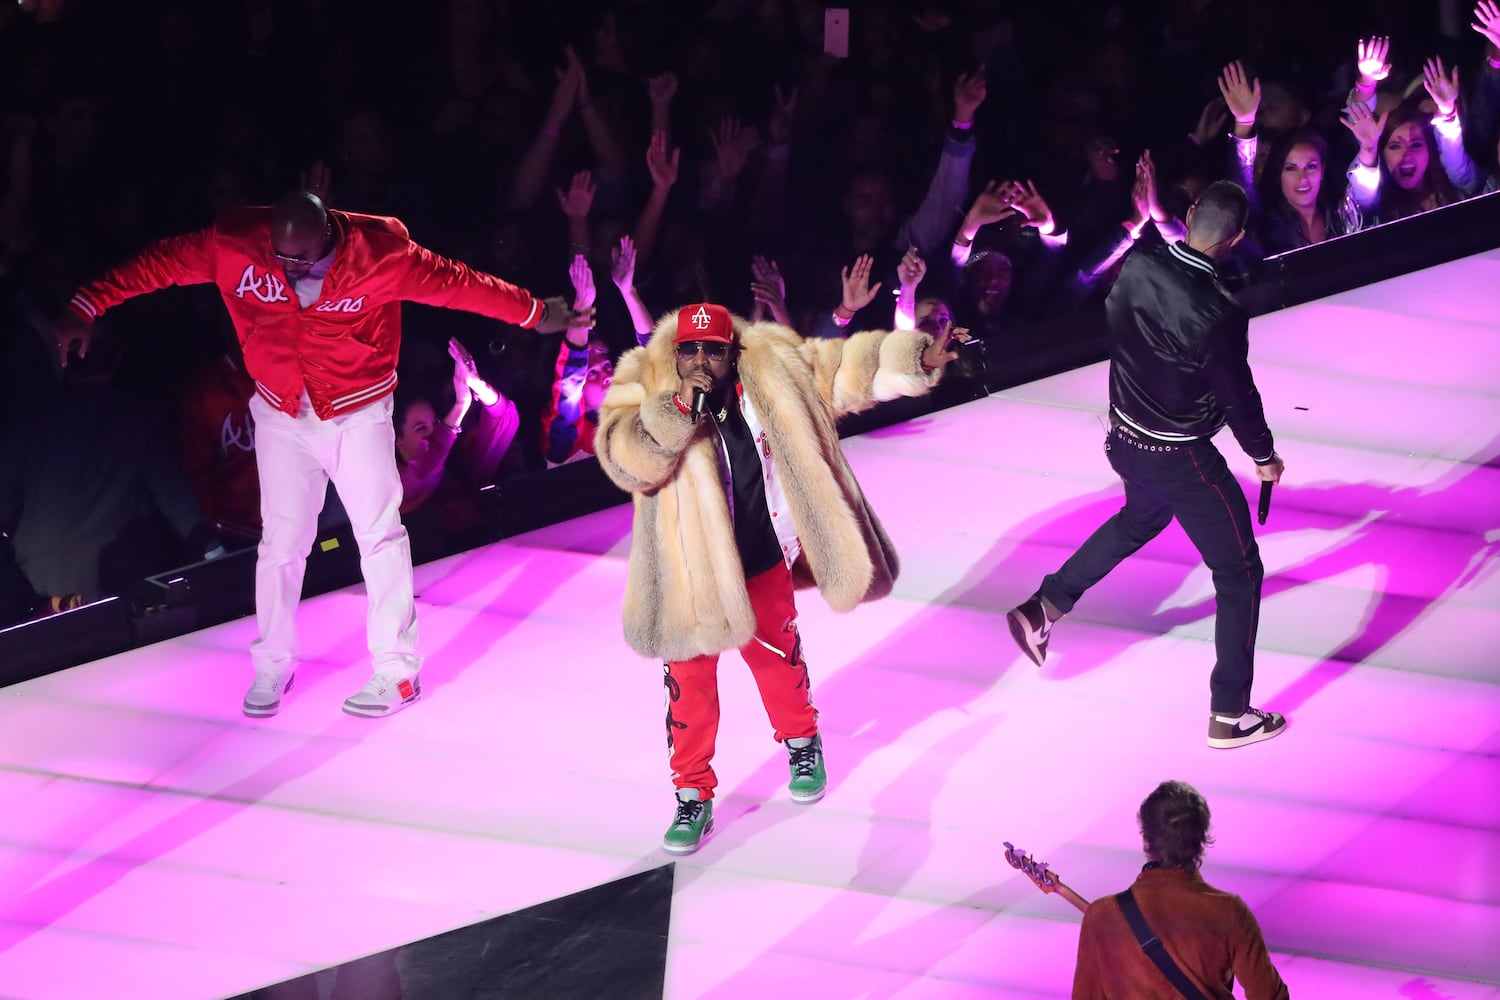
x: 980, y: 163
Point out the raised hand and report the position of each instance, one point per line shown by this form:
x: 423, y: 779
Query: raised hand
x: 990, y: 206
x: 1211, y: 121
x: 462, y: 360
x: 582, y: 277
x: 769, y: 289
x: 1371, y: 59
x: 579, y: 197
x: 912, y: 268
x: 569, y: 79
x: 1145, y: 179
x: 622, y: 263
x: 661, y: 163
x: 467, y: 382
x: 1442, y: 85
x: 1143, y: 192
x: 940, y: 352
x: 1487, y: 23
x: 857, y: 290
x: 575, y: 66
x: 1241, y: 93
x: 1366, y: 126
x: 733, y: 144
x: 783, y: 113
x: 315, y: 180
x: 969, y: 92
x: 662, y: 88
x: 1025, y: 198
x: 464, y: 368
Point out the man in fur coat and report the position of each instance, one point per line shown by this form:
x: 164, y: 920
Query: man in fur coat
x: 723, y: 432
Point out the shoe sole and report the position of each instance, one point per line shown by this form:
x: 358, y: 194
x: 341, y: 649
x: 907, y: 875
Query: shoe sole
x: 1020, y: 630
x: 266, y: 711
x: 808, y: 799
x: 1260, y: 736
x: 379, y: 711
x: 689, y: 848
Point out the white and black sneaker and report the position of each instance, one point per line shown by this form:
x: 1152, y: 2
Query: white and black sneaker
x: 383, y: 695
x: 1226, y: 732
x: 263, y: 700
x: 1031, y: 628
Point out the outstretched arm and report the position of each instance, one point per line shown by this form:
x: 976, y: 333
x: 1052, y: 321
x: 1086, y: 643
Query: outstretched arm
x: 613, y: 163
x: 933, y: 219
x: 180, y: 260
x: 1444, y: 90
x: 663, y: 165
x: 435, y: 280
x: 1364, y: 172
x: 531, y: 173
x: 855, y: 373
x: 622, y: 273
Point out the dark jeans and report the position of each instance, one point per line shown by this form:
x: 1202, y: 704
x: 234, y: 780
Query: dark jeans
x: 1193, y: 484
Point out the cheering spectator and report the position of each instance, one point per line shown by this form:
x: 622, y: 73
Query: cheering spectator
x: 1393, y: 176
x: 584, y: 372
x: 443, y: 463
x: 1299, y: 203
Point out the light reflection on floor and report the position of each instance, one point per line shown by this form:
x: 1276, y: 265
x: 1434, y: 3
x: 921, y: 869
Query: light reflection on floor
x: 155, y: 843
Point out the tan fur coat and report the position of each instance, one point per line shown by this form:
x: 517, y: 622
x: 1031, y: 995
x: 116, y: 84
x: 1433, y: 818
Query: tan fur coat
x: 686, y: 593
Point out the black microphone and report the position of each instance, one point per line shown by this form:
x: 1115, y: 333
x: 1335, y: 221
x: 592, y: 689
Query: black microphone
x: 700, y: 403
x: 1265, y: 501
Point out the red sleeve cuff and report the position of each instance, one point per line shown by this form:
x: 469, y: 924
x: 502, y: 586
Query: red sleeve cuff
x: 83, y: 308
x: 538, y: 310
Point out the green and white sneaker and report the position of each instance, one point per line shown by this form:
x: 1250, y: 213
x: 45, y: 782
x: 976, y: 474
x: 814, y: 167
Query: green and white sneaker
x: 693, y: 822
x: 809, y: 777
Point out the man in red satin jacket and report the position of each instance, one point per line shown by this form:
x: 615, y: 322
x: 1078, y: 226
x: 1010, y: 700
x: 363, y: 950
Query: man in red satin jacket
x: 315, y: 297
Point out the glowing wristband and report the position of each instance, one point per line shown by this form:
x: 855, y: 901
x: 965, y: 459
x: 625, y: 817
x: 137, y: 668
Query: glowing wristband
x: 1448, y: 126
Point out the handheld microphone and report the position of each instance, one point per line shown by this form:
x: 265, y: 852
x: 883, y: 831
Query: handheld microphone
x: 700, y: 403
x: 1265, y: 501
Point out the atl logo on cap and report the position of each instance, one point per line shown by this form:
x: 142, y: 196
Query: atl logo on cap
x: 701, y: 319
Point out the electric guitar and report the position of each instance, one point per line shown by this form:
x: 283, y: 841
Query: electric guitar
x: 1042, y: 877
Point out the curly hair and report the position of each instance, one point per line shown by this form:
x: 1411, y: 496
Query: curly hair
x: 1174, y: 822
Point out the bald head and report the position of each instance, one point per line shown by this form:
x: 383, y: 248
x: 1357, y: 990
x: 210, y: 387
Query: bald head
x: 300, y: 233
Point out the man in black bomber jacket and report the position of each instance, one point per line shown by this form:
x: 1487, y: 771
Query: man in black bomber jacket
x: 1179, y: 371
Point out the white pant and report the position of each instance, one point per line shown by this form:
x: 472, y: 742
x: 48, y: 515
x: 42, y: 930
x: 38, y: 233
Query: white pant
x: 296, y: 457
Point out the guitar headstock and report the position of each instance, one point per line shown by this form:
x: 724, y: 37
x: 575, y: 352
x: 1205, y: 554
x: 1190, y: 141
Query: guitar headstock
x: 1042, y: 876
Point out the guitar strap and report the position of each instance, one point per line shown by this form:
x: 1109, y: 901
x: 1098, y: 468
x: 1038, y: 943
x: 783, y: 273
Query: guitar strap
x: 1152, y: 946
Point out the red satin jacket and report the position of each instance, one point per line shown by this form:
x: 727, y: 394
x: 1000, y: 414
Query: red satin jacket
x: 342, y: 349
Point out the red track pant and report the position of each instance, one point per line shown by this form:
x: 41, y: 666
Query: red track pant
x: 775, y: 660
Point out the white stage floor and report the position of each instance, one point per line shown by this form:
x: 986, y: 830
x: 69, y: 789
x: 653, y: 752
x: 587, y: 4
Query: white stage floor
x: 155, y: 843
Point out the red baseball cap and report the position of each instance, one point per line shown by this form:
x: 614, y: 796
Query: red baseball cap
x: 704, y: 321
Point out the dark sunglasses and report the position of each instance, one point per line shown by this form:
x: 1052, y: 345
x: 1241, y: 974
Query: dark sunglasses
x: 714, y: 350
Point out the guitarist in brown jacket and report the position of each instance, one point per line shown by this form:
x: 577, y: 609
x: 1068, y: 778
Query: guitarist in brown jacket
x: 1210, y: 936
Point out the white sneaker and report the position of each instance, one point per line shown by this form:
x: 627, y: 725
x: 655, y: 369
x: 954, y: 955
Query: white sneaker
x: 384, y: 695
x: 264, y: 697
